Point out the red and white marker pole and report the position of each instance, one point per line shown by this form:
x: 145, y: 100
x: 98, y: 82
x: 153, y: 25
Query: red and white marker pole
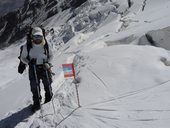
x: 69, y: 71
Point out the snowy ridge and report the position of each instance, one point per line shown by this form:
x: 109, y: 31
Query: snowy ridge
x: 123, y: 81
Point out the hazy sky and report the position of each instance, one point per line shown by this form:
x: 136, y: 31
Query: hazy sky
x: 9, y: 5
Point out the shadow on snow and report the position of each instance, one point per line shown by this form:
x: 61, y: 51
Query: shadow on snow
x: 15, y: 118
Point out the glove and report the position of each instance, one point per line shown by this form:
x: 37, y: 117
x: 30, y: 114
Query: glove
x: 21, y: 67
x: 32, y: 61
x: 47, y: 66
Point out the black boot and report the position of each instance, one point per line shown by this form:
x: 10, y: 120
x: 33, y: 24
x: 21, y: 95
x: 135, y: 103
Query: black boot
x: 48, y: 98
x: 35, y: 107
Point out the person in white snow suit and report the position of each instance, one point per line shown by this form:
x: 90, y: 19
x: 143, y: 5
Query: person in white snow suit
x: 37, y: 54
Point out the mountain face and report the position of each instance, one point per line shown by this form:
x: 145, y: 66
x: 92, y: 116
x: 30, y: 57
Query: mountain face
x: 14, y: 24
x: 9, y: 5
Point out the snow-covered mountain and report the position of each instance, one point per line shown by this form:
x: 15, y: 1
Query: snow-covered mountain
x: 9, y: 5
x: 14, y: 25
x: 120, y: 53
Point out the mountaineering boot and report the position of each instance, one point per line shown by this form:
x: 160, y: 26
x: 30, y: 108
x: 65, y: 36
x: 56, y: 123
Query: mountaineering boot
x: 47, y: 99
x: 35, y: 106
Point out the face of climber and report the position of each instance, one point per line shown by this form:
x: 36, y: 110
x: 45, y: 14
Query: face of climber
x: 37, y: 39
x: 37, y: 35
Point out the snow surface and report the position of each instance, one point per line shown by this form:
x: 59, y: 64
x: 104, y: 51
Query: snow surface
x: 120, y: 84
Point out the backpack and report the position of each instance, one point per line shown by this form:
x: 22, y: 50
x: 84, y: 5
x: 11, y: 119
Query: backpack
x: 29, y: 44
x: 22, y: 66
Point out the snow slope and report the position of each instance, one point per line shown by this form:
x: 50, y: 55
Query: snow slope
x: 123, y: 90
x: 121, y: 84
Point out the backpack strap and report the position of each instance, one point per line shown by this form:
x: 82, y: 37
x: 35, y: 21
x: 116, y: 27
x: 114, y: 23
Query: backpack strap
x: 29, y: 46
x: 29, y: 43
x: 46, y: 49
x: 21, y: 48
x: 28, y: 52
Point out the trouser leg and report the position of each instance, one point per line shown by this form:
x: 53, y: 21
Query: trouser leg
x: 35, y: 87
x: 47, y: 80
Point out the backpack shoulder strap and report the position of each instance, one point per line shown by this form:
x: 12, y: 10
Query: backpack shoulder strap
x: 29, y: 44
x: 21, y: 48
x: 46, y: 48
x: 28, y: 52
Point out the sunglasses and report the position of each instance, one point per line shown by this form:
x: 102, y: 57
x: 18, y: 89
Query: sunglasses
x: 37, y: 37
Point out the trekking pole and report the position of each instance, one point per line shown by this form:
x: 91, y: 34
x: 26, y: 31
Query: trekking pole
x: 48, y: 79
x: 49, y: 87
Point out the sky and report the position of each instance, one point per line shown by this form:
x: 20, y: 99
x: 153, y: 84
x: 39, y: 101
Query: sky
x: 122, y: 84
